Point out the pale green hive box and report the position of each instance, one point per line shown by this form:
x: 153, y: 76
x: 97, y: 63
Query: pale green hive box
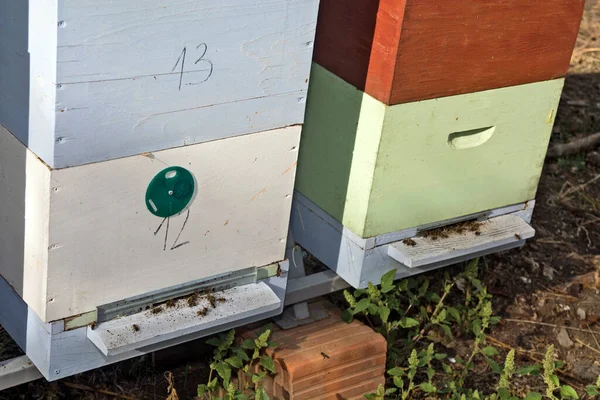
x: 379, y: 169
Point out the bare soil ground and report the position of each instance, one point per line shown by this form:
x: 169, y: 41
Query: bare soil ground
x: 547, y: 293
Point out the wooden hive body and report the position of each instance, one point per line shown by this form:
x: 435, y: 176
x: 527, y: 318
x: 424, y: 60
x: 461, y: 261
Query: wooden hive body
x: 88, y: 81
x: 378, y: 169
x: 97, y: 97
x: 77, y: 238
x: 400, y: 51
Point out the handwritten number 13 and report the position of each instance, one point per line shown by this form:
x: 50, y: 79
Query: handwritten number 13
x: 202, y: 48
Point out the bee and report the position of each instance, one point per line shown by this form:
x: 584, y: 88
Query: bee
x: 325, y: 356
x: 279, y: 272
x: 409, y: 242
x: 203, y: 312
x: 517, y: 236
x: 212, y: 300
x: 135, y: 328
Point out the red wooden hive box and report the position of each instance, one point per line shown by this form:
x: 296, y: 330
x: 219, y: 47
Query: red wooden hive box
x: 400, y: 51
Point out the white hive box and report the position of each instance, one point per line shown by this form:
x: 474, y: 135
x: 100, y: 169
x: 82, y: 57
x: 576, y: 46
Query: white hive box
x: 91, y: 80
x: 147, y: 151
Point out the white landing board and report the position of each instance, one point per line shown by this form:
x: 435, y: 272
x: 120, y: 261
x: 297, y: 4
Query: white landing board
x: 147, y: 328
x: 420, y: 251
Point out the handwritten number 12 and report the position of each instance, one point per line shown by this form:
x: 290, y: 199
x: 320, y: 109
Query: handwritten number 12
x: 201, y: 48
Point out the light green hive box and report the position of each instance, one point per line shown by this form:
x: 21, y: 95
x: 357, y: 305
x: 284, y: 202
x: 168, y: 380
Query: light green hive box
x: 379, y: 169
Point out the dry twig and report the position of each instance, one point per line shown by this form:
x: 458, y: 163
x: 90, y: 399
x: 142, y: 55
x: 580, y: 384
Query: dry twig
x: 575, y: 146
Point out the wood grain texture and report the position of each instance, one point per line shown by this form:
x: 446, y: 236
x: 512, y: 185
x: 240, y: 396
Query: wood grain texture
x: 113, y: 79
x: 393, y: 168
x: 90, y: 239
x: 408, y: 50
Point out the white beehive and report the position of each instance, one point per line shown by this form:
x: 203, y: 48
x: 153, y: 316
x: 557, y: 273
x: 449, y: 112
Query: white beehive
x: 104, y: 103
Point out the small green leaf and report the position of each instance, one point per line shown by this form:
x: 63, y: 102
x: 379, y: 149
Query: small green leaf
x: 396, y: 371
x: 384, y: 314
x: 447, y: 331
x: 494, y: 320
x: 489, y: 351
x: 430, y: 373
x: 503, y: 393
x: 403, y: 285
x: 440, y: 356
x: 214, y: 341
x: 268, y: 363
x: 493, y: 365
x: 568, y: 391
x: 241, y: 396
x: 212, y: 385
x: 592, y: 390
x: 407, y: 322
x: 423, y: 288
x: 261, y: 394
x: 529, y: 369
x: 248, y: 344
x: 533, y: 396
x: 235, y: 362
x: 202, y: 389
x: 447, y: 369
x: 555, y: 380
x: 240, y: 353
x: 398, y: 382
x: 559, y: 364
x: 259, y: 377
x: 224, y: 372
x: 454, y: 313
x: 387, y: 280
x: 390, y: 391
x: 428, y: 387
x: 362, y: 305
x: 347, y: 316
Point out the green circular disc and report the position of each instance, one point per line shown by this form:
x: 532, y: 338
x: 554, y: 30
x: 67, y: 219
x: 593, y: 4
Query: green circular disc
x: 170, y: 192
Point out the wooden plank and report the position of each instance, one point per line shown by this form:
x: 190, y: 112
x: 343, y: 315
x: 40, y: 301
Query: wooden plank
x: 493, y: 233
x: 356, y: 150
x: 17, y: 371
x: 409, y: 50
x: 148, y: 328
